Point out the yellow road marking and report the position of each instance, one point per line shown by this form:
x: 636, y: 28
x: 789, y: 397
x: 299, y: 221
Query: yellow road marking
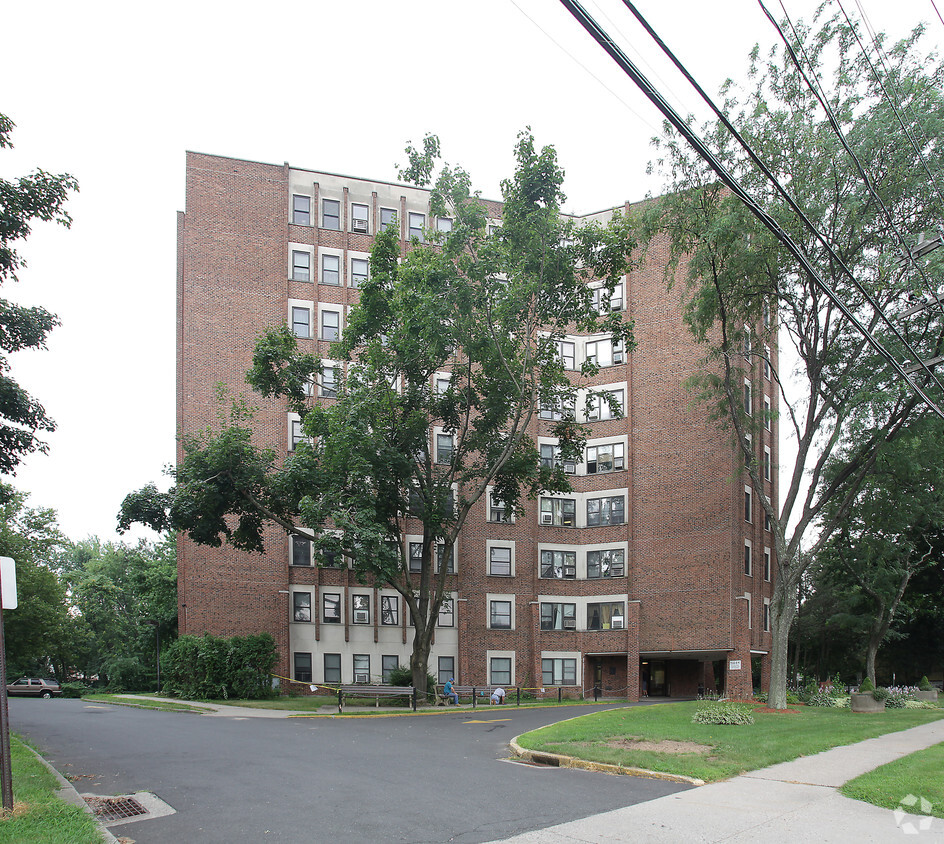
x: 493, y: 721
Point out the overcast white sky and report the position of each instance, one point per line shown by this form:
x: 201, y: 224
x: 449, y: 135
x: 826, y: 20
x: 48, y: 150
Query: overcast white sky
x: 114, y: 93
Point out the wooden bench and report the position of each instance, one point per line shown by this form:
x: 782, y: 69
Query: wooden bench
x: 376, y: 691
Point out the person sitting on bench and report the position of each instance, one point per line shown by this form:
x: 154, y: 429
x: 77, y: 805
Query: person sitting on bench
x: 449, y: 691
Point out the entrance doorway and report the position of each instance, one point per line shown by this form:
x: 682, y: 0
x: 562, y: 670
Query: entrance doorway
x: 654, y: 678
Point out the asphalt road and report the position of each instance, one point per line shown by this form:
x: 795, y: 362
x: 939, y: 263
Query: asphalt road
x: 400, y: 779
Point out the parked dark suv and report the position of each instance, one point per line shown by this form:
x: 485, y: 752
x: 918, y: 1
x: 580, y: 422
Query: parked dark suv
x: 31, y: 687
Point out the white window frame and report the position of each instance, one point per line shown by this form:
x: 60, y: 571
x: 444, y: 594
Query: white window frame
x: 355, y: 220
x: 599, y: 410
x: 767, y: 463
x: 767, y: 362
x: 613, y: 446
x: 325, y: 216
x: 492, y: 545
x: 609, y: 508
x: 447, y: 613
x: 391, y: 223
x: 748, y: 558
x: 768, y: 417
x: 357, y: 612
x: 324, y: 390
x: 295, y: 435
x: 494, y: 598
x: 296, y: 607
x: 766, y: 615
x: 509, y: 655
x: 748, y: 504
x: 768, y: 559
x: 357, y: 280
x: 325, y: 272
x: 332, y: 309
x: 305, y: 196
x: 300, y: 249
x: 748, y: 397
x: 413, y: 230
x: 300, y: 305
x: 561, y: 658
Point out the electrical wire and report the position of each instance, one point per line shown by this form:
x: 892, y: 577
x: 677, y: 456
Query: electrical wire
x: 618, y: 56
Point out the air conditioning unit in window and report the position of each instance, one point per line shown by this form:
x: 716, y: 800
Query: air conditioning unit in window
x: 361, y: 616
x: 616, y: 570
x: 361, y: 677
x: 593, y: 415
x: 570, y: 467
x: 359, y: 226
x: 547, y: 519
x: 570, y: 624
x: 616, y: 623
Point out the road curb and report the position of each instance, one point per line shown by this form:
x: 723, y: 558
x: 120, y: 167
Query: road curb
x: 68, y: 793
x: 558, y: 760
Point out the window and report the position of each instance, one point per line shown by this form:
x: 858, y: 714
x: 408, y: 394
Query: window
x: 444, y: 448
x: 330, y: 214
x: 767, y: 564
x: 766, y: 615
x: 566, y: 351
x: 499, y: 670
x: 329, y: 383
x: 499, y: 561
x: 417, y: 225
x: 747, y: 504
x: 360, y: 214
x: 750, y: 611
x: 561, y: 565
x: 607, y: 405
x: 330, y: 559
x: 561, y: 512
x: 767, y: 362
x: 441, y: 555
x: 301, y: 551
x: 560, y: 408
x: 301, y: 322
x: 604, y: 301
x: 330, y: 608
x: 447, y: 668
x: 606, y: 616
x: 447, y: 613
x: 607, y: 563
x: 550, y: 457
x: 388, y: 664
x: 748, y: 559
x: 388, y: 218
x: 748, y: 400
x: 301, y: 265
x: 605, y: 352
x: 500, y: 615
x: 301, y: 606
x: 390, y: 610
x: 497, y: 512
x: 605, y: 511
x: 302, y: 667
x: 332, y: 668
x: 301, y: 210
x: 298, y: 435
x: 361, y: 668
x: 361, y: 606
x: 330, y: 325
x: 442, y: 384
x: 748, y: 450
x: 330, y: 270
x: 767, y: 522
x: 766, y: 463
x: 768, y: 414
x: 443, y: 224
x: 555, y: 616
x: 360, y: 269
x: 605, y: 458
x: 416, y: 556
x: 766, y: 313
x: 559, y: 672
x: 747, y: 343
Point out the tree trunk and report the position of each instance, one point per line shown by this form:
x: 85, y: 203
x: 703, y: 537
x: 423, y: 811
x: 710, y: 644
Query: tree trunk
x: 783, y: 608
x: 419, y: 660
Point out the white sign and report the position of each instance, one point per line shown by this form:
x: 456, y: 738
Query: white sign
x: 8, y: 583
x: 734, y: 665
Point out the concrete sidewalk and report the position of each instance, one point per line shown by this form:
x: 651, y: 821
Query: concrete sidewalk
x: 793, y: 801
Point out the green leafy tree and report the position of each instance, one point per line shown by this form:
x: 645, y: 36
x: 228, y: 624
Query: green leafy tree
x: 41, y: 635
x: 845, y: 401
x: 453, y: 348
x: 39, y: 196
x: 118, y: 589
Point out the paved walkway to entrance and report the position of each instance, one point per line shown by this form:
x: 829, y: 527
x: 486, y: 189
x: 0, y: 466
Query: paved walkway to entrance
x: 793, y: 801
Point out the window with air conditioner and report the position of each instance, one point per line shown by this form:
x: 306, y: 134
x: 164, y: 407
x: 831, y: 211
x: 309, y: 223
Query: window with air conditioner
x: 359, y: 217
x: 361, y: 607
x: 605, y: 563
x: 558, y: 564
x: 605, y: 511
x: 605, y: 458
x: 361, y: 668
x: 601, y: 616
x: 558, y: 616
x: 559, y: 512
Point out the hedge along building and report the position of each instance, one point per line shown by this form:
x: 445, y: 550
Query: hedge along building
x: 652, y: 577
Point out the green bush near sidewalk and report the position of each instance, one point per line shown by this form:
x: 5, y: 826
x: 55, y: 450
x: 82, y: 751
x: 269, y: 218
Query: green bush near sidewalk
x: 38, y: 812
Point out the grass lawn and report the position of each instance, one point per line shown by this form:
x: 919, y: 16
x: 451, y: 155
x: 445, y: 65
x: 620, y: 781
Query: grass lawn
x: 38, y: 813
x: 918, y: 774
x: 663, y: 738
x: 144, y: 702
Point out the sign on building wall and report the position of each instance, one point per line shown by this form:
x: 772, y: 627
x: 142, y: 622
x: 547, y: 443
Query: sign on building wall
x: 734, y: 665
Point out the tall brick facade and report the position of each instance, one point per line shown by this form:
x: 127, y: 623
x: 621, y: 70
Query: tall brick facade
x: 665, y: 600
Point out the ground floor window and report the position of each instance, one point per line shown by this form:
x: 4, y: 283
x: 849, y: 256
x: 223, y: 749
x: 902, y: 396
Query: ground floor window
x: 559, y: 672
x: 388, y: 663
x: 332, y: 668
x: 361, y: 668
x: 500, y: 671
x: 303, y: 667
x: 447, y: 668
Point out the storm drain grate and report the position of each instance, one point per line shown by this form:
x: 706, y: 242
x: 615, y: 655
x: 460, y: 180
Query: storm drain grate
x: 115, y: 808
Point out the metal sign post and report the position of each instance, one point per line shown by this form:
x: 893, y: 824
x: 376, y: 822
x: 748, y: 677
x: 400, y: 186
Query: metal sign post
x: 7, y: 601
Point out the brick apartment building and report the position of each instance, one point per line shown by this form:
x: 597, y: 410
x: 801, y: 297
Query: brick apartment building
x: 652, y: 577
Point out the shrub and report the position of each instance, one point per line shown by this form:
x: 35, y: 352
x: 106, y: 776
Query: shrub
x: 924, y: 684
x: 723, y: 713
x: 793, y: 698
x: 879, y: 694
x: 402, y: 675
x: 867, y: 686
x: 74, y: 689
x: 823, y: 697
x: 200, y: 667
x: 919, y: 704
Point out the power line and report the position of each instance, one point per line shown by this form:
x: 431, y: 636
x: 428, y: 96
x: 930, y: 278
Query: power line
x: 601, y: 37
